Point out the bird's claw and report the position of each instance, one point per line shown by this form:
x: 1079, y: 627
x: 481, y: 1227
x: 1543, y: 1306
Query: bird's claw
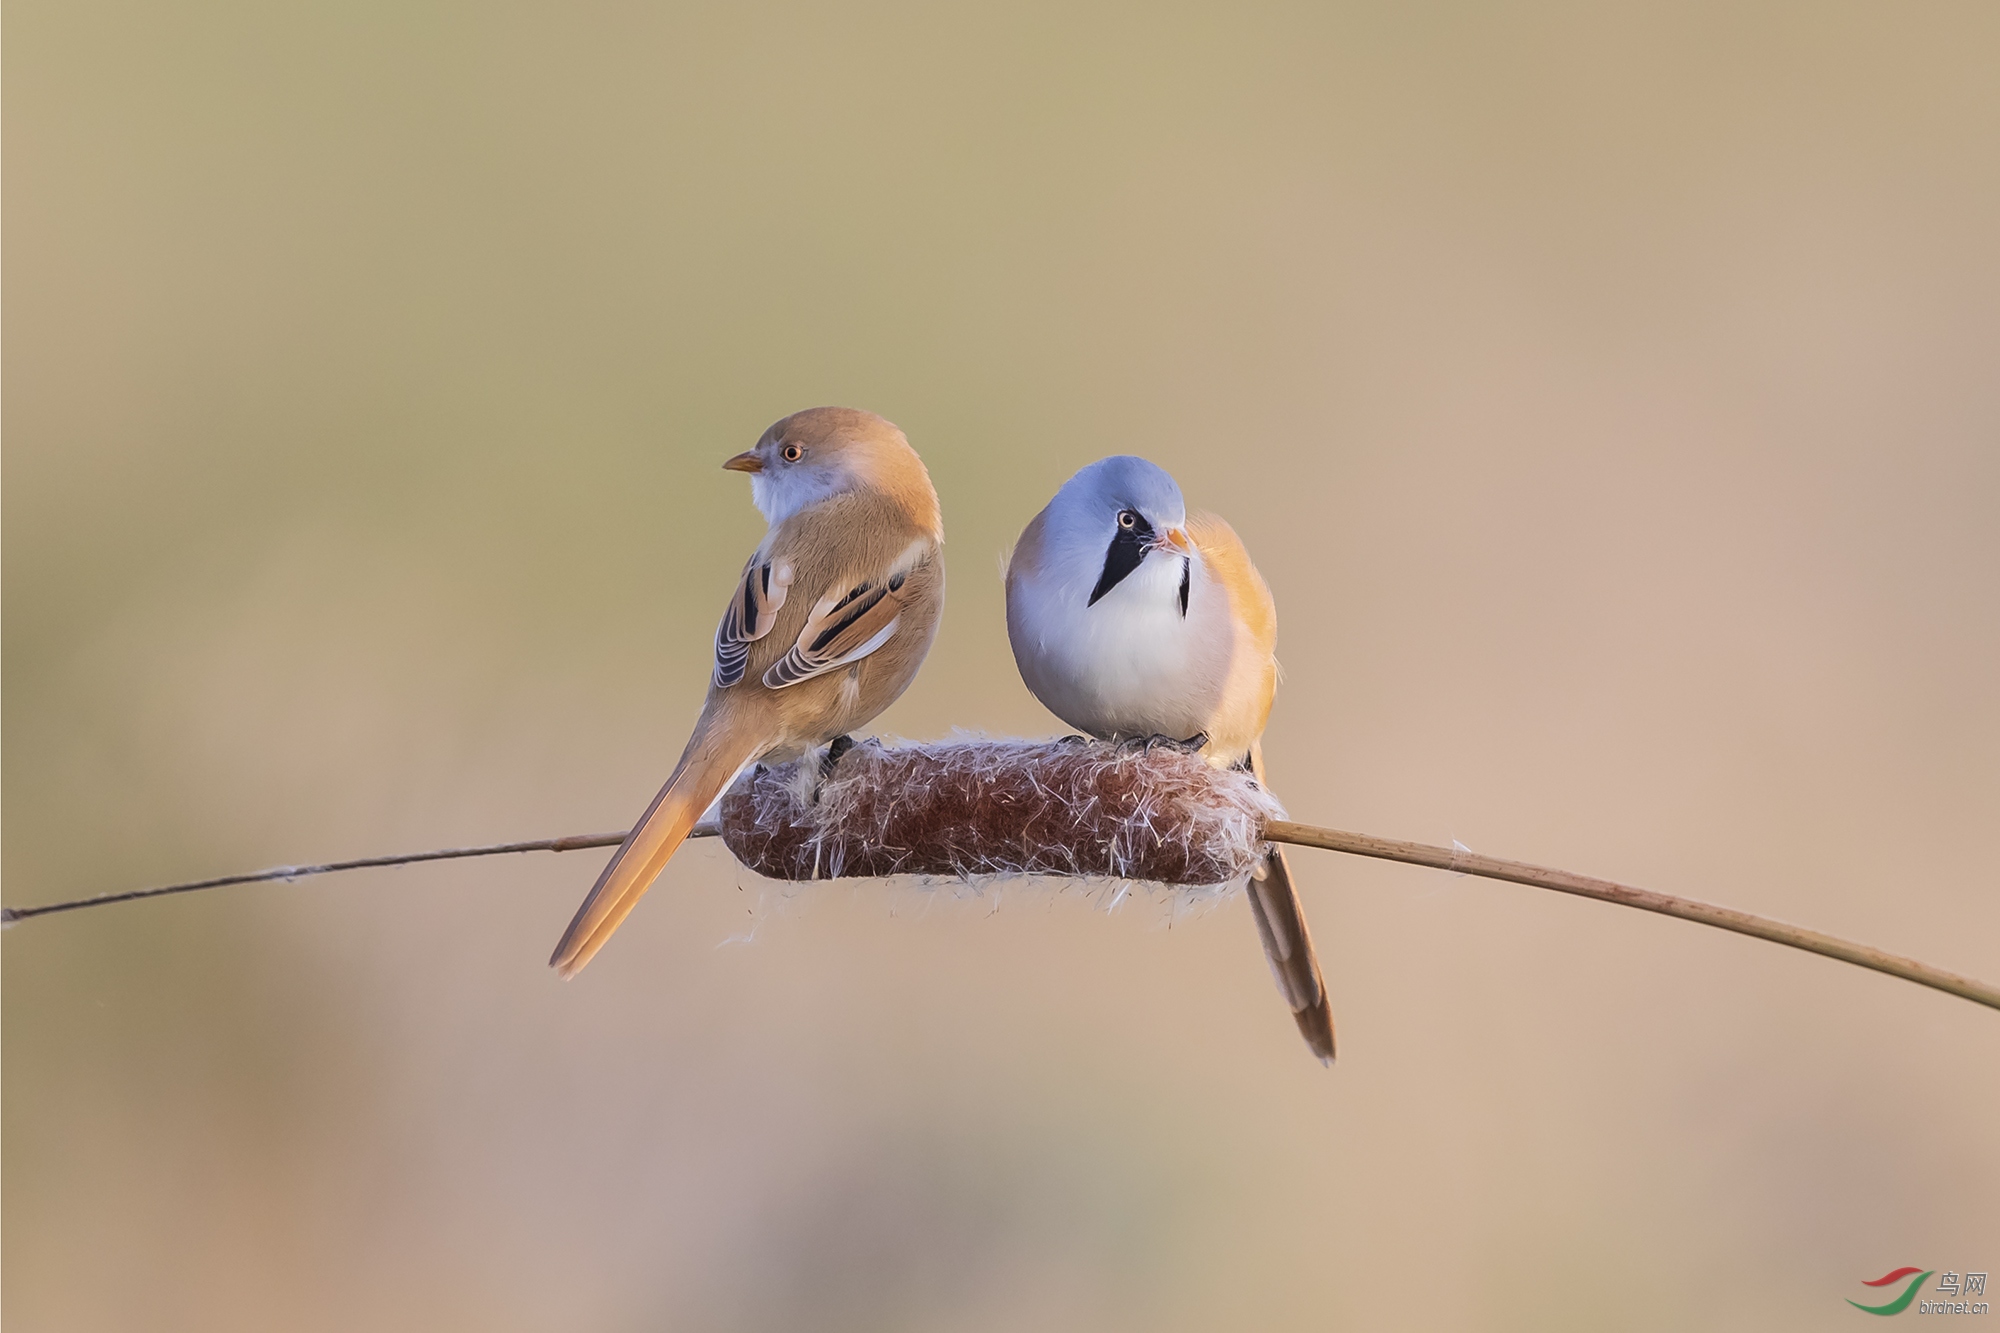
x: 839, y: 746
x: 829, y: 761
x: 1192, y: 745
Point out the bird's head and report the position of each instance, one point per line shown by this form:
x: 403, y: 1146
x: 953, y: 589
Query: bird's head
x: 819, y: 453
x: 1116, y: 514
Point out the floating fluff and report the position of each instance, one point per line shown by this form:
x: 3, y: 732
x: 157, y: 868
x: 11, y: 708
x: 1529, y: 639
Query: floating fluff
x: 965, y: 809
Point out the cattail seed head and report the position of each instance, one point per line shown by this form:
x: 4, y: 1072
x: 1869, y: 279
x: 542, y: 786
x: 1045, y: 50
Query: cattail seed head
x: 963, y: 809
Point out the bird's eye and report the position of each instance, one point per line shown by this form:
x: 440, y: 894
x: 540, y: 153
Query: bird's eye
x: 1127, y: 519
x: 792, y: 453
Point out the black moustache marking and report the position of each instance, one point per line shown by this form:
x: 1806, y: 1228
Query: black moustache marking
x: 1187, y: 572
x: 1127, y: 550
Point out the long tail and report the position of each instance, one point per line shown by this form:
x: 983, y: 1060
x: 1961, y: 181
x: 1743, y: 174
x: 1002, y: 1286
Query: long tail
x: 715, y: 753
x: 1288, y: 946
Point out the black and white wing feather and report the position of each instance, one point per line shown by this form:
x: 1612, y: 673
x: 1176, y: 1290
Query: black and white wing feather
x: 844, y: 628
x: 752, y: 612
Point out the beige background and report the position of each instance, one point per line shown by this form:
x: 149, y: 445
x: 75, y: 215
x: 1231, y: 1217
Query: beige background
x: 1609, y: 393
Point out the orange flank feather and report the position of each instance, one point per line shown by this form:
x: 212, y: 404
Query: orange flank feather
x: 1253, y: 672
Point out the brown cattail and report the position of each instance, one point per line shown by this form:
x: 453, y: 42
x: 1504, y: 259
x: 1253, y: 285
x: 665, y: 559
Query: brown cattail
x: 1073, y: 807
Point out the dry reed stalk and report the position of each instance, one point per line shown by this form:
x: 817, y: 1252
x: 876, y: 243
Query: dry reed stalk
x: 1454, y: 859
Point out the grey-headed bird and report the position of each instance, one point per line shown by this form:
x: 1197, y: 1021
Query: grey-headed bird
x: 827, y: 626
x: 1131, y: 620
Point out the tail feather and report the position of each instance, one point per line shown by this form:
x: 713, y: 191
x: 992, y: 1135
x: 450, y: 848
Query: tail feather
x: 1288, y: 947
x: 707, y: 767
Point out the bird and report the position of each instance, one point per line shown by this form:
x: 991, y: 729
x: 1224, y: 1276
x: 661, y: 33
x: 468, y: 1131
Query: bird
x: 1133, y: 621
x: 826, y: 627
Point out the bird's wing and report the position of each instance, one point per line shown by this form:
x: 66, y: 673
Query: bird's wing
x: 844, y: 627
x: 752, y: 612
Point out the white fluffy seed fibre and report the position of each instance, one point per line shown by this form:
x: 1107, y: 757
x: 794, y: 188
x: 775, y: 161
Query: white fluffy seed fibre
x: 976, y: 809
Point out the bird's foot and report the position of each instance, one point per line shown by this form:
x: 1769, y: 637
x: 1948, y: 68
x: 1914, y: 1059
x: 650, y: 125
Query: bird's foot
x: 1192, y: 745
x: 829, y: 761
x: 839, y: 746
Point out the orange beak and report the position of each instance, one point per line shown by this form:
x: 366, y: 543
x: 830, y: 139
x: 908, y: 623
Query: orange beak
x: 1178, y: 539
x: 747, y: 461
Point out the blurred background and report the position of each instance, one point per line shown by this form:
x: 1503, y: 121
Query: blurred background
x: 1608, y: 392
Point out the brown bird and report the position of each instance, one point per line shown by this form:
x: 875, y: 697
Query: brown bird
x: 828, y: 625
x: 1131, y: 620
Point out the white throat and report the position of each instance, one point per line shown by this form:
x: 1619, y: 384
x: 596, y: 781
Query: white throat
x: 778, y: 496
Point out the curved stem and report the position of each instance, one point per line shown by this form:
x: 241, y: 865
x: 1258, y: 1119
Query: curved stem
x: 1453, y: 859
x: 1604, y: 890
